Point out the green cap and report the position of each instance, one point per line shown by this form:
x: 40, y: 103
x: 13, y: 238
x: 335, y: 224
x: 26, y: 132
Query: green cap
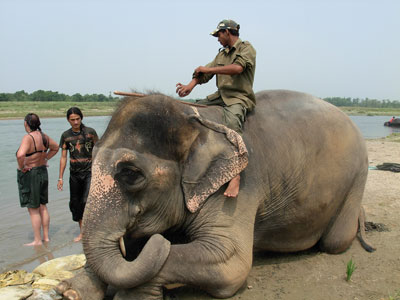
x: 225, y: 24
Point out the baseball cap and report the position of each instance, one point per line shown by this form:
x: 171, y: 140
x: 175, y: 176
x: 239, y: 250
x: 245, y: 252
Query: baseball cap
x: 225, y: 24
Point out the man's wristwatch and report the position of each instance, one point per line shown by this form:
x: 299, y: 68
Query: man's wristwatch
x: 60, y: 179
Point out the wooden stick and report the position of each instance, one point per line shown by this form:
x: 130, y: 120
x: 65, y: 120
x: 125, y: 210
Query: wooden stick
x: 143, y: 95
x: 128, y: 94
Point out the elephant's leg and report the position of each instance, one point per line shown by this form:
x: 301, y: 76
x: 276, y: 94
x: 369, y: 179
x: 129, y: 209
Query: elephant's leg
x: 216, y: 267
x: 84, y: 286
x: 343, y: 229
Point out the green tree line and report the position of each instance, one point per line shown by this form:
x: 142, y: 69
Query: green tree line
x: 357, y: 102
x: 41, y: 95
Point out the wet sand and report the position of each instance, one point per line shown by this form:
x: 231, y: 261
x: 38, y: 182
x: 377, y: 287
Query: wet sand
x: 44, y: 253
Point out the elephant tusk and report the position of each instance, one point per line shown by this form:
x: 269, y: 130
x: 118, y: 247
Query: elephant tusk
x: 122, y: 246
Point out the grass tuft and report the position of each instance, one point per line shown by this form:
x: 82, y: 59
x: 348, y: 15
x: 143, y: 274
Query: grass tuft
x: 351, y: 266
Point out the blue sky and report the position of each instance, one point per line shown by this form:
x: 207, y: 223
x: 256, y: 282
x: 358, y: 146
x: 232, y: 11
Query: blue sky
x: 322, y: 47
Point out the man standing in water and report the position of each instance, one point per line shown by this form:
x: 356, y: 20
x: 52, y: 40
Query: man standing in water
x: 79, y: 140
x: 234, y: 67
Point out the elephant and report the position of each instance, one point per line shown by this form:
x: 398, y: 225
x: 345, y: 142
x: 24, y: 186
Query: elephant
x: 394, y: 123
x: 156, y: 214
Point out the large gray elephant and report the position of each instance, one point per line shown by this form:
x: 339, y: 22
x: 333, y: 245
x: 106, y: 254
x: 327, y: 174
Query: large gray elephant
x: 156, y: 214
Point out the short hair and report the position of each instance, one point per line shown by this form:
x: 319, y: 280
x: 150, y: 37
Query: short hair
x: 233, y: 32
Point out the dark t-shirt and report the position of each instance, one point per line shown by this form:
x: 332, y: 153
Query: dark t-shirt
x: 80, y: 147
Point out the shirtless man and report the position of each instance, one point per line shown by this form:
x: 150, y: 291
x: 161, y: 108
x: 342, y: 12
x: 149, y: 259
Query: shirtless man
x: 35, y: 150
x: 234, y: 67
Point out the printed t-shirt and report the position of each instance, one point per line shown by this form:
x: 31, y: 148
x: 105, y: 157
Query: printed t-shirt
x: 80, y: 146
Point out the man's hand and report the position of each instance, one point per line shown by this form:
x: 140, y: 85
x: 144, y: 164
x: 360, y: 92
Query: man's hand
x: 60, y: 184
x: 183, y: 90
x: 25, y: 169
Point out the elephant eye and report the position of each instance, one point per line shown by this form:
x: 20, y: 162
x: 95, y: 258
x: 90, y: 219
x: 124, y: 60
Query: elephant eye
x: 130, y: 177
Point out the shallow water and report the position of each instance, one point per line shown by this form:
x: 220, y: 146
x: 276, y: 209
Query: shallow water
x: 15, y: 227
x: 372, y: 127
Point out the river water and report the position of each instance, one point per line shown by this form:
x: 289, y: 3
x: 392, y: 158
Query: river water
x: 15, y: 227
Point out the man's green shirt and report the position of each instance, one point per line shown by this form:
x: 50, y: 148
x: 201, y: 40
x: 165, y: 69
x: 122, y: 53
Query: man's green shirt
x: 238, y: 88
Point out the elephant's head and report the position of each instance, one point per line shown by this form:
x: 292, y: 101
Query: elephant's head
x: 153, y: 168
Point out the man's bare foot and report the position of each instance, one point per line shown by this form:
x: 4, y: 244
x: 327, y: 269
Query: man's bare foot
x: 46, y: 240
x: 78, y: 238
x: 34, y: 243
x: 233, y: 187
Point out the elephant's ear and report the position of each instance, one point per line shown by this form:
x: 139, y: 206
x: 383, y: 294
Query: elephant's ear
x: 216, y: 156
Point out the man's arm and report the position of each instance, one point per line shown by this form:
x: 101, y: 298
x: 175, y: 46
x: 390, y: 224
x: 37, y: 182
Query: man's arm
x: 184, y: 90
x: 63, y: 163
x: 232, y: 69
x: 95, y: 137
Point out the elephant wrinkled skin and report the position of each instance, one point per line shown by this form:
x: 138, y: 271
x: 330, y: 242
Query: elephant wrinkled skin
x: 158, y: 177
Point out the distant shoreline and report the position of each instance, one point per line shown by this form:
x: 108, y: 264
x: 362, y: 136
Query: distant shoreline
x: 11, y: 110
x: 45, y: 116
x: 18, y: 110
x: 369, y: 111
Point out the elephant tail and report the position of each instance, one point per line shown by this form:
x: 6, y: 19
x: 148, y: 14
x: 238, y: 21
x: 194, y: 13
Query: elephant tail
x: 361, y: 233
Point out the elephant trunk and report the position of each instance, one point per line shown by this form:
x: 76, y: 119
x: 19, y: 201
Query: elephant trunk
x: 105, y: 259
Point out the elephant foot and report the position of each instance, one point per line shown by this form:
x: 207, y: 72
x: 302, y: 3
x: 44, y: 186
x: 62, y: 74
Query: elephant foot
x: 65, y: 289
x: 71, y: 295
x: 84, y: 286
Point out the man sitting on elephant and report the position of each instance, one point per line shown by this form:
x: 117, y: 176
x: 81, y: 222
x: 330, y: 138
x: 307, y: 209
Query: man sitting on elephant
x: 234, y: 66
